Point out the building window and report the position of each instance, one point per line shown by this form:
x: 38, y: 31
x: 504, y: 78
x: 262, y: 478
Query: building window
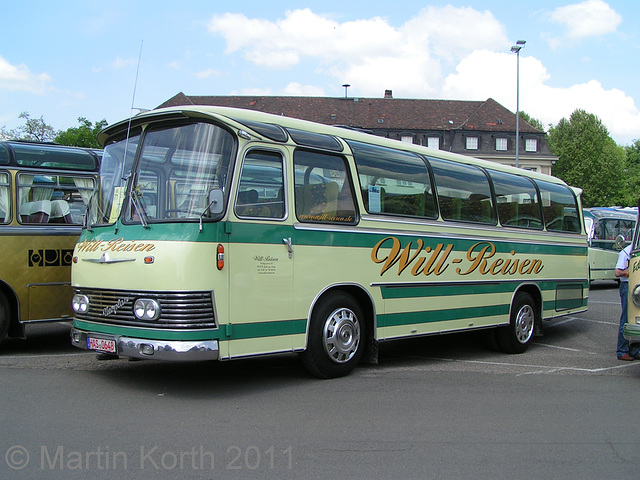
x: 472, y: 143
x: 406, y: 138
x: 501, y: 144
x: 531, y: 145
x: 433, y: 142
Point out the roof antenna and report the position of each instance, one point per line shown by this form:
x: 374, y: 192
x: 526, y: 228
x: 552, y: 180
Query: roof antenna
x: 126, y: 143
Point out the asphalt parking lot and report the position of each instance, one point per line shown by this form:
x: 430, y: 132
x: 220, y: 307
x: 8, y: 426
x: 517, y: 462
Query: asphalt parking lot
x: 437, y: 407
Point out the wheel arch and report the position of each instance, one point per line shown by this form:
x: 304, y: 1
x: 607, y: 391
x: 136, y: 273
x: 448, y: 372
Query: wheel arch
x: 16, y: 329
x: 536, y: 294
x: 367, y: 304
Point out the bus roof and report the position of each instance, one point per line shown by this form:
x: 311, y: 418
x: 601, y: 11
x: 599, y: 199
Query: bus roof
x: 48, y: 155
x: 610, y: 212
x: 245, y: 117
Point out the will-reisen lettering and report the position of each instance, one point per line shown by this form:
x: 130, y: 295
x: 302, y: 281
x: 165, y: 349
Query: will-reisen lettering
x: 114, y: 245
x: 425, y: 260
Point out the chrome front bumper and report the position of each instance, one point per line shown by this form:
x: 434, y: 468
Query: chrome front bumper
x: 153, y: 349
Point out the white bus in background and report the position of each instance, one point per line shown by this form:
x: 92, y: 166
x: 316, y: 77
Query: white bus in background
x: 609, y: 230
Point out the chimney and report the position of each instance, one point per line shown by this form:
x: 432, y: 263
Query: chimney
x: 388, y: 94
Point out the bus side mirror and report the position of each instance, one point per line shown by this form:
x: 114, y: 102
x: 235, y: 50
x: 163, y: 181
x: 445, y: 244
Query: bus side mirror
x: 216, y: 201
x: 619, y: 242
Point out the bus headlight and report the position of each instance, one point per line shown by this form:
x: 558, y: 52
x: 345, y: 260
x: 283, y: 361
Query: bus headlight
x: 635, y: 296
x: 80, y: 303
x: 146, y: 309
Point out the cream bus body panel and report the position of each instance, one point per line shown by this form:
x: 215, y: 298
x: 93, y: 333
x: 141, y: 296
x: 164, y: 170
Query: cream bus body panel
x: 603, y: 264
x: 453, y: 288
x: 176, y: 266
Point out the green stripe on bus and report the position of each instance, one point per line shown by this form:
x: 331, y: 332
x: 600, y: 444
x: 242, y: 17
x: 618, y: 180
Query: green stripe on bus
x: 267, y: 329
x: 274, y: 232
x: 411, y: 318
x: 455, y: 289
x: 238, y: 331
x: 148, y: 333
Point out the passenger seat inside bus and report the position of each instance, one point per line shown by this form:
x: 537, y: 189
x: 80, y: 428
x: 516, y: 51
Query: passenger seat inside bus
x: 248, y: 205
x: 35, y: 212
x: 60, y: 212
x: 317, y: 199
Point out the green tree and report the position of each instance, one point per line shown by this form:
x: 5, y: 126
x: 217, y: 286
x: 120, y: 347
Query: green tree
x: 589, y: 159
x: 632, y: 173
x: 84, y: 135
x: 34, y: 130
x: 534, y: 122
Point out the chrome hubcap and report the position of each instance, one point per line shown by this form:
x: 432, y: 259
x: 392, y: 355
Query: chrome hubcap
x: 524, y: 324
x: 341, y: 335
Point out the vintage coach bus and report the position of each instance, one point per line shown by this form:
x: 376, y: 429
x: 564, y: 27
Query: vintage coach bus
x: 221, y: 233
x: 609, y: 230
x: 44, y: 193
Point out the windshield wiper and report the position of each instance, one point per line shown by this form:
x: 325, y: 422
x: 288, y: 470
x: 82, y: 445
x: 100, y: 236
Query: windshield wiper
x: 138, y: 204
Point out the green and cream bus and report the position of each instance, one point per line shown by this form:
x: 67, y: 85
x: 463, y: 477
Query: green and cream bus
x: 44, y: 193
x: 609, y: 230
x: 221, y: 233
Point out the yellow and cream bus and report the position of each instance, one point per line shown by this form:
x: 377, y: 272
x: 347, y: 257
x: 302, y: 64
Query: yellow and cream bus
x: 44, y: 193
x: 221, y: 233
x: 631, y: 330
x: 609, y: 230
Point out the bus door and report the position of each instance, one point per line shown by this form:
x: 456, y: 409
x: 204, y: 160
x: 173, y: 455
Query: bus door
x: 260, y: 259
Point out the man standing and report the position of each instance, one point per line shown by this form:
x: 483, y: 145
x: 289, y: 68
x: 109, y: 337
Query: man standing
x: 622, y: 272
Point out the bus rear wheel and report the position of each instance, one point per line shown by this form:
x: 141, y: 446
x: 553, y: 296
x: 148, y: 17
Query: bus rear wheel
x: 4, y: 317
x: 336, y: 337
x: 516, y: 337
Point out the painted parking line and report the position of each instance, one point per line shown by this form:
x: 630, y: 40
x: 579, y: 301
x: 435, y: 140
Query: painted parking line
x: 572, y: 319
x: 564, y: 348
x: 550, y: 369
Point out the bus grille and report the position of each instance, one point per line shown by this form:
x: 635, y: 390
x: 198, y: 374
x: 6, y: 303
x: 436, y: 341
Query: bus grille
x: 178, y: 309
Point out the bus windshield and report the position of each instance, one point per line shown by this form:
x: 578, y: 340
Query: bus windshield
x: 177, y: 168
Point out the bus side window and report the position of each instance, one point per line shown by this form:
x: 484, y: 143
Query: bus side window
x: 261, y: 186
x: 4, y: 198
x: 560, y: 208
x: 518, y: 204
x: 393, y: 182
x: 323, y: 190
x: 464, y: 192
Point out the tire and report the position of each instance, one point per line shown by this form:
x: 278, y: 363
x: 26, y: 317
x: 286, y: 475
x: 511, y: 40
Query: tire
x: 336, y: 337
x: 516, y: 337
x: 5, y: 314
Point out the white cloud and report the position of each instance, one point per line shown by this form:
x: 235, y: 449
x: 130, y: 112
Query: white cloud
x: 591, y: 18
x: 485, y: 74
x: 368, y: 53
x: 204, y: 74
x: 296, y: 89
x: 123, y: 62
x: 19, y: 77
x: 416, y: 58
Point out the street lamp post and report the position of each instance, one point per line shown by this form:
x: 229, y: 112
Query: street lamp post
x: 516, y: 49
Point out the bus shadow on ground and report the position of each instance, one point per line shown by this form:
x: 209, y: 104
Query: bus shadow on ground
x: 42, y: 339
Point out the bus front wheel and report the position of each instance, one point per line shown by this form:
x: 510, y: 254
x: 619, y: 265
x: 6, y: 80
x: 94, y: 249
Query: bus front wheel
x: 515, y: 337
x: 336, y: 337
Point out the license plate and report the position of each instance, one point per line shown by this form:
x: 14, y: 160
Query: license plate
x: 101, y: 345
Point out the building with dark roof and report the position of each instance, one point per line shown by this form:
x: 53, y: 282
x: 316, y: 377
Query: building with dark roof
x: 483, y: 129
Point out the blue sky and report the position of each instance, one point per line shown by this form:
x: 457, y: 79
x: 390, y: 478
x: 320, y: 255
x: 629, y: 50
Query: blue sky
x: 69, y: 59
